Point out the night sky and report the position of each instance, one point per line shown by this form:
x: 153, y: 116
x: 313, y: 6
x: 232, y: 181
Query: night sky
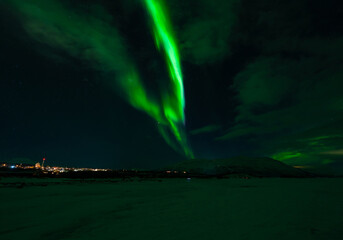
x: 93, y: 83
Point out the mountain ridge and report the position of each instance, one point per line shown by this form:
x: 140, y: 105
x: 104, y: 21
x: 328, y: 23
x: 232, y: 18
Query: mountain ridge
x: 257, y: 167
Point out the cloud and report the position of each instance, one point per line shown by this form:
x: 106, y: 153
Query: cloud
x: 85, y: 36
x: 334, y: 152
x: 289, y: 96
x: 285, y: 94
x: 204, y: 28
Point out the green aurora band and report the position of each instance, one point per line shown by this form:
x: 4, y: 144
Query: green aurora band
x: 163, y: 36
x: 91, y: 38
x: 174, y: 102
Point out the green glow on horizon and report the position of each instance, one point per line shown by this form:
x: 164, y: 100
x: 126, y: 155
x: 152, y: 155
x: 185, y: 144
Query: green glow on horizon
x: 312, y: 150
x: 281, y: 156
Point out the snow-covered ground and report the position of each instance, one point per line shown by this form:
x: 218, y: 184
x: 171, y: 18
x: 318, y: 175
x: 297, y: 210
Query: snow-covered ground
x: 172, y: 209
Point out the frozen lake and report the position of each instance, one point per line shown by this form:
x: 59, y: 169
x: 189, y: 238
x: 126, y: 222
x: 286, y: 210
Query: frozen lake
x: 171, y: 209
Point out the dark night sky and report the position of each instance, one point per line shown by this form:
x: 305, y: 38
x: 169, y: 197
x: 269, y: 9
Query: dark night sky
x: 261, y: 78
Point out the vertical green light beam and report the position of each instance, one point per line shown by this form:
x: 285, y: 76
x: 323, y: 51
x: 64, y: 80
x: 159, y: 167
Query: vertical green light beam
x: 163, y: 36
x: 173, y: 101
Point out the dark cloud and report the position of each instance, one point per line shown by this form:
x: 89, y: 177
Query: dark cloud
x: 292, y: 85
x: 281, y: 94
x: 204, y: 28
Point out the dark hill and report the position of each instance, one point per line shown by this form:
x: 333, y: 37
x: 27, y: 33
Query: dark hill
x: 258, y: 167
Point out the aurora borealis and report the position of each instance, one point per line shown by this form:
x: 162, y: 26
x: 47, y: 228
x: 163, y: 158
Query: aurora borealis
x: 210, y: 79
x: 174, y: 103
x: 63, y: 28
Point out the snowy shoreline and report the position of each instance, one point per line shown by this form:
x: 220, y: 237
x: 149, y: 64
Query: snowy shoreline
x: 258, y: 208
